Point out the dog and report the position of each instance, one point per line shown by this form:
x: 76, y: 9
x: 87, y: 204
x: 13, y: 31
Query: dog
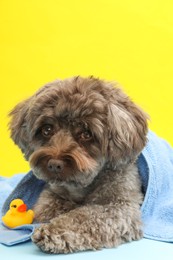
x: 82, y: 136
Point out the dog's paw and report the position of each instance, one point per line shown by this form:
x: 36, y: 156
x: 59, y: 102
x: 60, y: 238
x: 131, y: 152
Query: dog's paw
x: 50, y: 241
x: 44, y: 238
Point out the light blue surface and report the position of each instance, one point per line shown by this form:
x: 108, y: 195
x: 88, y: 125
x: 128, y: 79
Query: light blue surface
x: 144, y: 249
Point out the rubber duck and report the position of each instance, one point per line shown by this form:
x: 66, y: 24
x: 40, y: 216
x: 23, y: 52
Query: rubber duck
x: 17, y: 214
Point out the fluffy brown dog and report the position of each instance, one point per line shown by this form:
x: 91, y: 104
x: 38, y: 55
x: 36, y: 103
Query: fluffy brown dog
x: 82, y: 137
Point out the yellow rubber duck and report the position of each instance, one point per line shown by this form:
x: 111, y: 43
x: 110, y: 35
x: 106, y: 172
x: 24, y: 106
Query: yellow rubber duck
x: 18, y: 215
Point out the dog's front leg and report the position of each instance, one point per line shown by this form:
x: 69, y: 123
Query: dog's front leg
x: 50, y: 205
x: 89, y: 228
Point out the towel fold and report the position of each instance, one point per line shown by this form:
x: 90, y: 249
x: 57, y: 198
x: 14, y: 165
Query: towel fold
x: 155, y: 165
x: 17, y: 235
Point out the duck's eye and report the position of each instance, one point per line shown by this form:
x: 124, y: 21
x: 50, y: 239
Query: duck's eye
x: 14, y: 206
x: 86, y: 135
x: 47, y: 130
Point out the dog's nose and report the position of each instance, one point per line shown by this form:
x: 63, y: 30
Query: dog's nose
x: 55, y: 165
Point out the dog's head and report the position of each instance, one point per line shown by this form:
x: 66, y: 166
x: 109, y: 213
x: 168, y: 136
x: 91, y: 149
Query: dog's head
x: 71, y: 129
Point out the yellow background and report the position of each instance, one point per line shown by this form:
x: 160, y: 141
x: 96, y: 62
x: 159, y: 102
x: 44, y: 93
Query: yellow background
x: 128, y: 41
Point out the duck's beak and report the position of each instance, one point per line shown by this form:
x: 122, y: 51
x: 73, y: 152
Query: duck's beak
x: 22, y: 208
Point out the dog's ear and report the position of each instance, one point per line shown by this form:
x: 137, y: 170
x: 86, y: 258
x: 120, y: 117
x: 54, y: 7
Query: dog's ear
x: 127, y: 129
x: 17, y: 125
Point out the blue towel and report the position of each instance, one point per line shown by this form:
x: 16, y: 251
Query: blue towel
x: 28, y: 188
x: 155, y: 165
x: 7, y: 185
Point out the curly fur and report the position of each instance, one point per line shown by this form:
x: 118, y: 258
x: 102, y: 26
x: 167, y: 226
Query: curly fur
x: 82, y: 137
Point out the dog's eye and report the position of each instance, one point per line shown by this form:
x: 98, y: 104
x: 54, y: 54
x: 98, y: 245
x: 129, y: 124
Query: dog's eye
x: 85, y: 136
x: 47, y: 130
